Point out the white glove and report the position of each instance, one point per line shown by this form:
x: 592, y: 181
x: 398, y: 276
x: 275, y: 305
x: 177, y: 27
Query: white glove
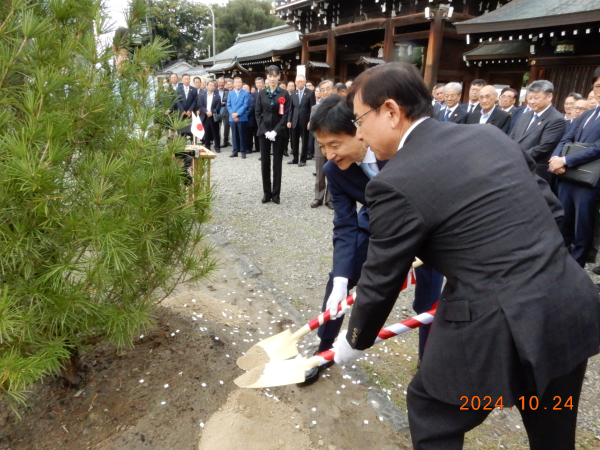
x: 268, y: 135
x: 274, y: 135
x: 343, y: 351
x: 338, y: 293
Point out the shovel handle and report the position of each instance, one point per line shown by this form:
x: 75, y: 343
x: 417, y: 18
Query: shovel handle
x: 391, y: 331
x: 326, y: 316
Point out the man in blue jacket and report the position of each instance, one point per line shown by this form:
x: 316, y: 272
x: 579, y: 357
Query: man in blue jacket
x: 349, y: 169
x: 580, y: 202
x: 237, y: 106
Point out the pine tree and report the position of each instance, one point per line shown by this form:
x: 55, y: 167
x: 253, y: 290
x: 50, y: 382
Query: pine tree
x: 96, y: 224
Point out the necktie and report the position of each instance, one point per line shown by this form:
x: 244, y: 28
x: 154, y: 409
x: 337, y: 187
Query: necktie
x: 593, y: 118
x: 186, y: 93
x: 471, y: 108
x: 535, y: 118
x: 300, y: 96
x: 369, y: 170
x: 447, y: 115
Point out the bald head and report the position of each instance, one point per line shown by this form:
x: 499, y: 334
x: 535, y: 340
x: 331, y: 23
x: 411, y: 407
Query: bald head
x: 487, y: 98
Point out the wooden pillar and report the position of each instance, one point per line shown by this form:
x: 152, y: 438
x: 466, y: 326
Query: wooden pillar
x: 434, y: 49
x: 388, y: 42
x: 305, y: 56
x: 344, y: 72
x: 534, y: 72
x: 331, y: 54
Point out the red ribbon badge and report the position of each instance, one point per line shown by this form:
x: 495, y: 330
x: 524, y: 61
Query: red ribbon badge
x: 281, y: 103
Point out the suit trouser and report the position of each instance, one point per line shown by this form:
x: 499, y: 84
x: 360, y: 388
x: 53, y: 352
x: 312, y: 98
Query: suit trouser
x: 435, y: 425
x: 298, y: 133
x: 238, y: 132
x: 427, y: 292
x: 212, y: 130
x: 248, y: 136
x: 321, y: 191
x: 226, y: 127
x: 581, y: 205
x: 278, y: 146
x: 311, y: 146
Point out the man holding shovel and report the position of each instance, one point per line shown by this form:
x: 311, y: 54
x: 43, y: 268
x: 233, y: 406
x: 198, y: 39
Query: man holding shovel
x: 518, y: 318
x: 349, y: 169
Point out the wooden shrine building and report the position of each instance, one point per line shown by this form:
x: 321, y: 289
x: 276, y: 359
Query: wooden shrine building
x: 528, y: 40
x: 342, y: 38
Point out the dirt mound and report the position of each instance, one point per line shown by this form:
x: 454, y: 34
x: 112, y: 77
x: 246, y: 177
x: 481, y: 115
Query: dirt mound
x: 251, y: 421
x: 207, y: 307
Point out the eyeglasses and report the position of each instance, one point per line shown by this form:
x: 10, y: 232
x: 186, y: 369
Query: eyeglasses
x: 579, y: 108
x: 507, y: 97
x: 355, y: 121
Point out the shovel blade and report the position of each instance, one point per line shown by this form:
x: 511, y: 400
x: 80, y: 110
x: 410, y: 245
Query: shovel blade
x: 280, y: 373
x: 276, y: 348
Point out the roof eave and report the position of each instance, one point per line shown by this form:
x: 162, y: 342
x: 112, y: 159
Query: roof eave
x: 527, y: 24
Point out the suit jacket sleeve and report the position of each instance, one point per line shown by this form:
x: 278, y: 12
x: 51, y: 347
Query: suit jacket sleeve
x: 292, y: 108
x: 258, y: 111
x: 242, y: 108
x: 550, y: 137
x: 568, y: 137
x: 282, y: 124
x: 345, y: 228
x: 504, y: 125
x: 313, y: 100
x: 228, y: 104
x: 398, y: 230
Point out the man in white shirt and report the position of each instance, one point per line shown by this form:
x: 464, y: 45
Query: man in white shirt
x: 452, y: 112
x: 489, y: 113
x: 473, y: 103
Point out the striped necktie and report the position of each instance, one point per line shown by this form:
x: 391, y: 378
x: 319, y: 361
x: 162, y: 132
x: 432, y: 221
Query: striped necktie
x: 369, y: 170
x: 447, y: 115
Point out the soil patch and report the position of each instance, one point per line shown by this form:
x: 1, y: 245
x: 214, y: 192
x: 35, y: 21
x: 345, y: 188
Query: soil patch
x: 252, y: 421
x: 207, y: 307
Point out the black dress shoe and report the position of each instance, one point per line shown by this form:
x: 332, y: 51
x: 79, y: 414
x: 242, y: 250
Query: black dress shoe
x: 301, y: 164
x: 233, y: 155
x: 243, y: 156
x: 596, y: 270
x: 312, y: 376
x: 316, y: 203
x: 329, y: 205
x: 226, y: 144
x: 286, y: 154
x: 292, y: 162
x: 266, y: 198
x: 218, y: 150
x: 275, y: 199
x: 309, y: 157
x: 314, y: 174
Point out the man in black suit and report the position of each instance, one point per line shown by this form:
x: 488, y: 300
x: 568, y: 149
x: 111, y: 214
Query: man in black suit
x: 473, y: 104
x: 539, y: 131
x: 207, y: 106
x: 349, y: 169
x: 259, y: 82
x: 579, y: 107
x: 187, y: 97
x: 438, y: 102
x: 250, y: 124
x: 322, y: 195
x: 580, y: 201
x: 509, y: 102
x: 518, y: 317
x: 490, y: 113
x: 198, y: 83
x: 222, y: 91
x: 303, y: 100
x: 452, y: 111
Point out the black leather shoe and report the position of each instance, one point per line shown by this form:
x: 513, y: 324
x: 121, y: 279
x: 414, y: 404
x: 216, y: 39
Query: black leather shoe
x: 316, y: 203
x: 243, y: 156
x: 596, y: 270
x: 266, y: 198
x: 314, y: 174
x: 312, y: 376
x: 275, y: 199
x: 286, y: 154
x: 309, y: 157
x: 226, y: 144
x: 233, y: 155
x: 329, y: 205
x: 218, y: 150
x: 301, y: 164
x: 292, y: 162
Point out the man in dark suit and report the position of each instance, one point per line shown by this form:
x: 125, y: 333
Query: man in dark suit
x: 187, y: 97
x: 208, y: 105
x: 509, y: 102
x: 452, y: 112
x: 539, y: 131
x: 439, y: 102
x: 259, y: 82
x: 237, y: 107
x: 349, y: 169
x: 579, y: 107
x: 473, y: 104
x: 322, y: 195
x: 198, y: 83
x: 580, y: 201
x: 251, y: 123
x: 518, y: 317
x: 303, y: 100
x: 490, y: 113
x: 222, y: 91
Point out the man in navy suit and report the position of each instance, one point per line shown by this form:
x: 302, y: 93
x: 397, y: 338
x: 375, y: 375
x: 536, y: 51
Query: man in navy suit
x: 580, y: 202
x: 237, y: 106
x: 209, y: 104
x: 251, y: 123
x: 452, y: 112
x: 349, y: 169
x: 187, y: 97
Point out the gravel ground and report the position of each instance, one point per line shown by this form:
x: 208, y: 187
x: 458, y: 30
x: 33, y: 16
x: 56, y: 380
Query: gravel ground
x: 291, y: 243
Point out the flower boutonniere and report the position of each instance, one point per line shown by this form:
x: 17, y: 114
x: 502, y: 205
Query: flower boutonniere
x: 281, y: 103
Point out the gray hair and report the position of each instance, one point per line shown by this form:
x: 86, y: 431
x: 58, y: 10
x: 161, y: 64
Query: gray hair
x: 456, y: 86
x: 325, y: 82
x: 541, y: 86
x: 575, y: 95
x: 300, y: 77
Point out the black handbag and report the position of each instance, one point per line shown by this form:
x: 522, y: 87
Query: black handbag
x: 587, y: 174
x: 217, y: 117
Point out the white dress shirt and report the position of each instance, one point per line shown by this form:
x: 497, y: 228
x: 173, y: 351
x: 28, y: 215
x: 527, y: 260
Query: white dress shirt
x: 485, y: 117
x: 412, y: 127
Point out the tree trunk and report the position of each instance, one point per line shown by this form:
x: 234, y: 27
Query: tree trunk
x: 70, y: 370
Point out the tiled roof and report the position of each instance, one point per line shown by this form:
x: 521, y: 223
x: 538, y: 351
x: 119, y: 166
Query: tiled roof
x: 369, y: 60
x: 260, y: 44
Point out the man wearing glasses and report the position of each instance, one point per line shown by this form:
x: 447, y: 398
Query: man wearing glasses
x: 452, y: 111
x: 473, y: 104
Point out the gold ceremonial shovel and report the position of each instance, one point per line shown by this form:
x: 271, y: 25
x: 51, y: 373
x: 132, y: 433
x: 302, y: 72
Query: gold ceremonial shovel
x: 281, y: 373
x: 283, y: 345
